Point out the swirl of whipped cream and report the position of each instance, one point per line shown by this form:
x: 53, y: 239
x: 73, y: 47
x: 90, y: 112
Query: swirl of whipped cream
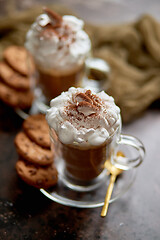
x: 83, y: 118
x: 58, y: 43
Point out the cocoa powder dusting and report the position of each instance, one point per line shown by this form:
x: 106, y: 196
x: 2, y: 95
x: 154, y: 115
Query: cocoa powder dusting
x: 53, y: 15
x: 48, y: 31
x: 83, y: 97
x: 58, y: 28
x: 84, y: 105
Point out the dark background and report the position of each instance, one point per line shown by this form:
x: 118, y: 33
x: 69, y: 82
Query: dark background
x: 26, y: 214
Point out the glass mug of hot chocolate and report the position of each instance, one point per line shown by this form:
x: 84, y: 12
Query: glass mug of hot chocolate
x: 59, y: 47
x: 85, y: 129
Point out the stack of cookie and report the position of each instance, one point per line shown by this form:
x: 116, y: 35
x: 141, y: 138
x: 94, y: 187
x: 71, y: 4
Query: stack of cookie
x: 15, y: 82
x: 35, y: 165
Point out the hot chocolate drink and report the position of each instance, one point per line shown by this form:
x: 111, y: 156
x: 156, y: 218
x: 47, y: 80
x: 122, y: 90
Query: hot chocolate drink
x: 59, y: 46
x: 84, y: 124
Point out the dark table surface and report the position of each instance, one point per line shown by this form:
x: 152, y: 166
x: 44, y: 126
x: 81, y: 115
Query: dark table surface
x: 26, y: 214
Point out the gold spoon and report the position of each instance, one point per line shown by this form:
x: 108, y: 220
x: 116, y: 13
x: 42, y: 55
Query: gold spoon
x: 114, y: 173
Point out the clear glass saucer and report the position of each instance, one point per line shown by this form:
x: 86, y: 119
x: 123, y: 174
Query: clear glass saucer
x: 95, y: 197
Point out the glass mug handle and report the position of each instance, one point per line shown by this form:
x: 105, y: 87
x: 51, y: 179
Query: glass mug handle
x: 126, y: 163
x: 97, y: 73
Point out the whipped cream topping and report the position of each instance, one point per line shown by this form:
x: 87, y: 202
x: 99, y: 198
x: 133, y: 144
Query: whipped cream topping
x: 83, y: 118
x: 58, y: 43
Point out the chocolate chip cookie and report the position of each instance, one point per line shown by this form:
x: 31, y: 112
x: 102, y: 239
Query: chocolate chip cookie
x: 36, y: 176
x: 15, y: 98
x: 32, y: 152
x: 12, y: 78
x: 19, y: 59
x: 36, y: 128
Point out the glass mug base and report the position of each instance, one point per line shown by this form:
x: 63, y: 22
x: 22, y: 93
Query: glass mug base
x: 76, y: 184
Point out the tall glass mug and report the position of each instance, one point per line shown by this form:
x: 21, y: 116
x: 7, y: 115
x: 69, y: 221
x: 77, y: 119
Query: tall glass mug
x: 60, y: 47
x: 80, y: 153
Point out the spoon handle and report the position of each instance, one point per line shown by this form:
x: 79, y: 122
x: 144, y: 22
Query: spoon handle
x: 108, y: 195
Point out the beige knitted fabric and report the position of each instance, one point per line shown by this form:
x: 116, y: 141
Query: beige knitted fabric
x: 132, y: 50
